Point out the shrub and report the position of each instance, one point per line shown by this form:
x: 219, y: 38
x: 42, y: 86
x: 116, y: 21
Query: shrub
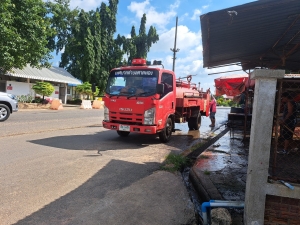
x: 25, y: 98
x: 74, y: 101
x: 37, y: 100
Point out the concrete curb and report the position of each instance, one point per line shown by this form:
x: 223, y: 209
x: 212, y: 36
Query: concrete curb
x: 198, y: 151
x: 204, y: 187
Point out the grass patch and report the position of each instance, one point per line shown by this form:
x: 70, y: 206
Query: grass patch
x: 206, y: 172
x: 196, y: 146
x: 175, y: 163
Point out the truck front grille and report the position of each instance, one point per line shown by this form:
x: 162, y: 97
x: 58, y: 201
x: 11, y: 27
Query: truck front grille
x: 126, y: 118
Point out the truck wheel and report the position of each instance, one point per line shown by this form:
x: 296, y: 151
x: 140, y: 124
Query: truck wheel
x: 194, y: 123
x: 123, y: 133
x: 4, y: 112
x: 166, y: 133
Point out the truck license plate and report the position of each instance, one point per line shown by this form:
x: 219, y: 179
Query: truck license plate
x: 124, y: 127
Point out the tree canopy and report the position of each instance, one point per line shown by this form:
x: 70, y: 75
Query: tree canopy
x: 24, y: 32
x: 138, y: 46
x: 43, y: 88
x: 31, y: 29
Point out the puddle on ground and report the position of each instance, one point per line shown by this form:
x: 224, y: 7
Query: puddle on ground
x: 211, y: 161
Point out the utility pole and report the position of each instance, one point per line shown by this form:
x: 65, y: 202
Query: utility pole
x: 174, y: 50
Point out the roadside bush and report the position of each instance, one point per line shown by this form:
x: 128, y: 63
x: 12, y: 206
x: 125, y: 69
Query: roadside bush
x: 37, y: 100
x: 223, y: 102
x: 25, y: 98
x: 74, y: 101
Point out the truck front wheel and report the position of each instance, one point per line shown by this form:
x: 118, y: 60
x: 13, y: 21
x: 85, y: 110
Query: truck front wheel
x: 123, y: 133
x: 194, y: 123
x: 166, y: 133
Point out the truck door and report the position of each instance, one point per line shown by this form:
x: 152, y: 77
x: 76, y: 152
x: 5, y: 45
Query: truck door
x: 167, y: 101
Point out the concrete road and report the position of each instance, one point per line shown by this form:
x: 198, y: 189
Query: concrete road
x: 51, y: 173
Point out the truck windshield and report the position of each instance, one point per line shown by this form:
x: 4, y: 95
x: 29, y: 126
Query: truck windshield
x: 132, y: 82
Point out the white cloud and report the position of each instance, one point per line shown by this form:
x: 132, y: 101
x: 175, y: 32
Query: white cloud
x: 196, y: 14
x: 186, y: 39
x: 160, y: 19
x: 182, y: 18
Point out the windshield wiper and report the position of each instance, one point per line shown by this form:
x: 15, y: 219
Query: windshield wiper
x: 120, y: 94
x: 136, y: 95
x: 113, y: 96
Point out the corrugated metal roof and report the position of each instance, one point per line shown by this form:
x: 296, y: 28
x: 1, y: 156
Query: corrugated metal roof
x: 258, y: 34
x: 54, y: 74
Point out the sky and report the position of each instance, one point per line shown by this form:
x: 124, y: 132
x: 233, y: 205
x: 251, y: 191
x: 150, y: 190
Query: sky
x: 162, y: 15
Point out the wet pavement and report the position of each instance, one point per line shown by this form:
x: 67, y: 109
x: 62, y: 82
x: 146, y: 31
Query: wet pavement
x: 219, y: 172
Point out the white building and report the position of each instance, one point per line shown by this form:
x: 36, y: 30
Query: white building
x: 19, y: 82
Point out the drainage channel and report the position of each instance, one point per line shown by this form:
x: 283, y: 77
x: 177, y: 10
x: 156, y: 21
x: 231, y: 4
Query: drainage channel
x: 186, y: 173
x: 193, y: 194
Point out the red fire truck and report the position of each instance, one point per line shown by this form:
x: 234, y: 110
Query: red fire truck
x: 148, y: 99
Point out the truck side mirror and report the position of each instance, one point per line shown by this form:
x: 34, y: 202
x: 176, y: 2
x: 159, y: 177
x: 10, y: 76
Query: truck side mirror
x: 160, y: 88
x: 93, y: 87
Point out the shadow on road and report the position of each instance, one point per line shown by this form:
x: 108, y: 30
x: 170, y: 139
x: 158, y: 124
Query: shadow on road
x: 74, y: 207
x: 109, y: 140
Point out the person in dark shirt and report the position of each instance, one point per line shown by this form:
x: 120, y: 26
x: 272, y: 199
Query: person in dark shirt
x: 213, y: 110
x: 288, y: 121
x: 131, y: 87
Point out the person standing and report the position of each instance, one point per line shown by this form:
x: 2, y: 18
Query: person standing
x: 213, y: 110
x: 288, y: 121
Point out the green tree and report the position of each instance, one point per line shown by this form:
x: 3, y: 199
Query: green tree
x: 84, y: 89
x: 111, y: 53
x: 138, y: 46
x: 91, y: 47
x: 220, y: 100
x: 91, y: 50
x: 61, y: 18
x: 43, y: 88
x: 24, y: 32
x: 96, y: 33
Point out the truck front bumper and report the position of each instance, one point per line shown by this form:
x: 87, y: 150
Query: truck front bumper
x: 130, y: 128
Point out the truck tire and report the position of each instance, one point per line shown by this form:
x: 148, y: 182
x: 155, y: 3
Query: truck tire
x: 194, y: 123
x: 166, y: 133
x: 4, y: 112
x: 123, y: 133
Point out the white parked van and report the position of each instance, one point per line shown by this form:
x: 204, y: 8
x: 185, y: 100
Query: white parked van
x: 8, y: 105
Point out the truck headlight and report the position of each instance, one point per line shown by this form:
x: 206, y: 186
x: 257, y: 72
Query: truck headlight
x: 106, y: 114
x: 149, y: 116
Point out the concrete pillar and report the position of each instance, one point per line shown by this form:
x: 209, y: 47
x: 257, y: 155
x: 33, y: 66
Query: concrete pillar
x: 66, y: 92
x: 260, y: 143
